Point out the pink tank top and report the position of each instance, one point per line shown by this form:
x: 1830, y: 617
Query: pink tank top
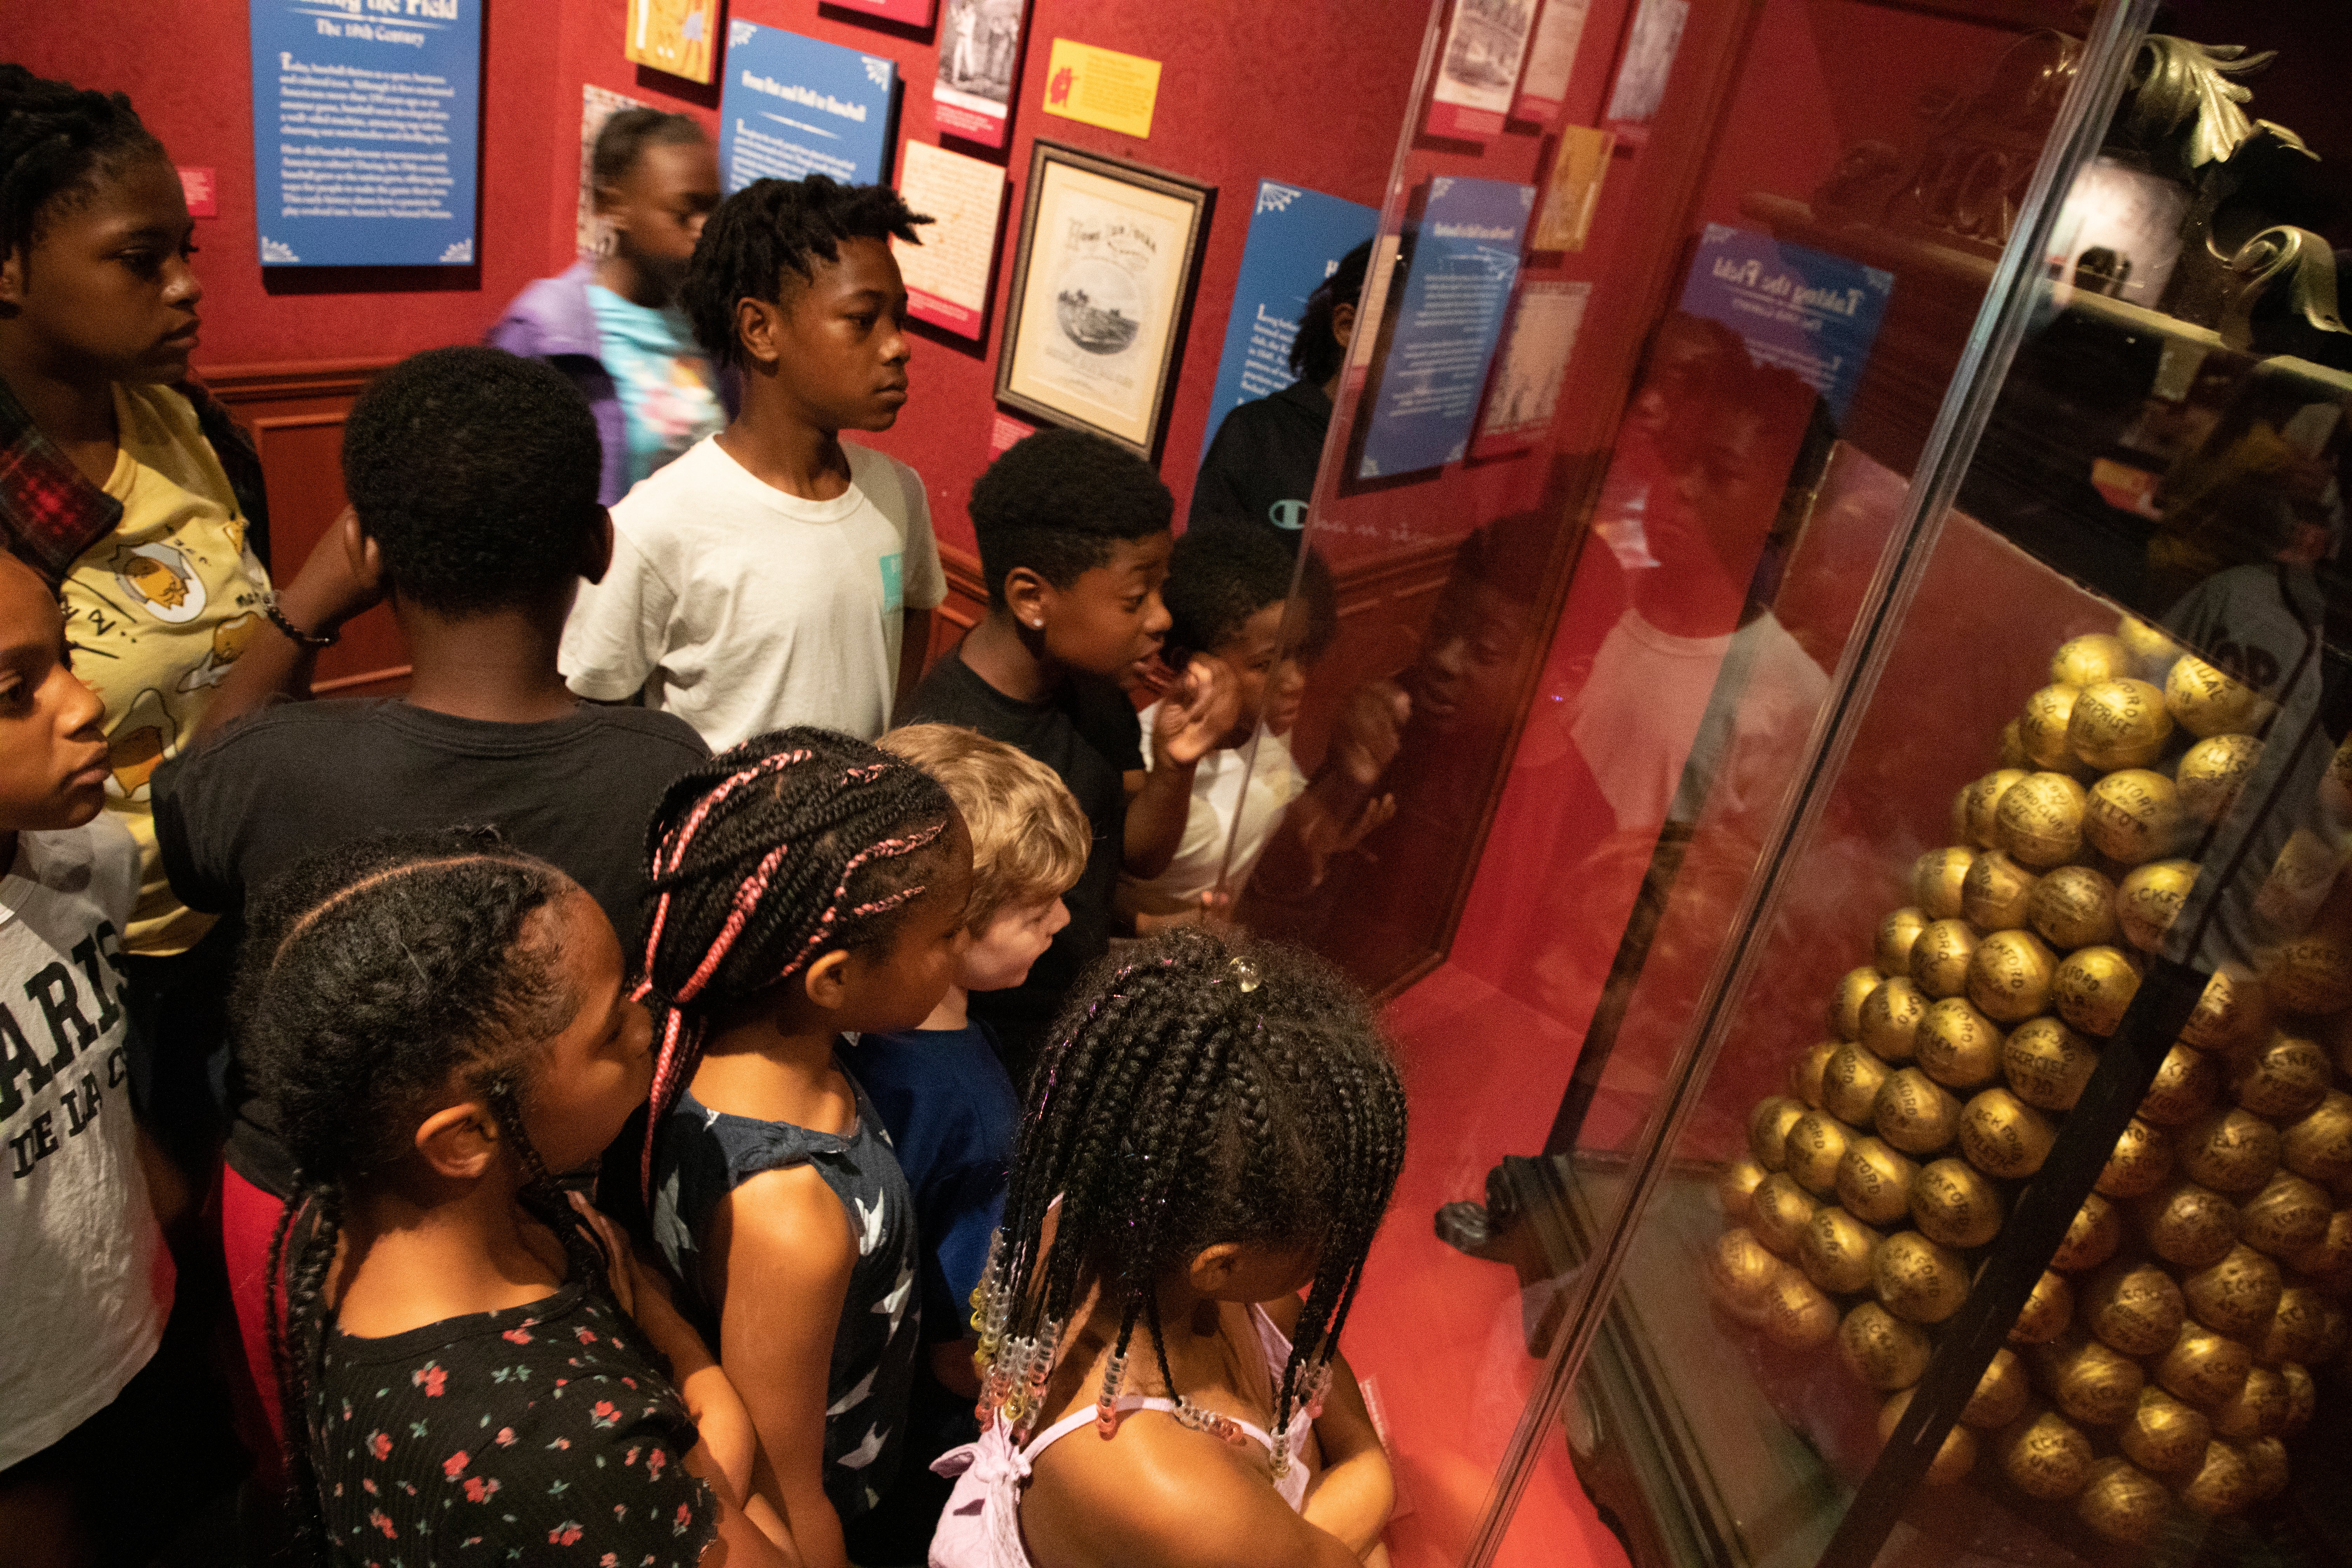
x: 981, y: 1525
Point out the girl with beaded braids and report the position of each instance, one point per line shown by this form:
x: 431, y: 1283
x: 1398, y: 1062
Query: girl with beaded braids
x: 1218, y: 1128
x: 803, y: 887
x: 471, y: 1367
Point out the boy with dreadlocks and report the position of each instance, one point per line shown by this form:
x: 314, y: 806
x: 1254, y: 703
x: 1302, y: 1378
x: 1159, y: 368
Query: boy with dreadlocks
x: 1217, y: 1128
x: 803, y: 886
x: 776, y: 575
x: 471, y: 1366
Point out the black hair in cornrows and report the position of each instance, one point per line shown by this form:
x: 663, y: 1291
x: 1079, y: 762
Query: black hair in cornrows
x: 771, y: 228
x: 629, y: 132
x: 371, y: 976
x: 763, y: 860
x: 56, y: 140
x: 1203, y: 1090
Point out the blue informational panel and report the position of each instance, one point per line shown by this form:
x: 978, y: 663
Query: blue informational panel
x: 1803, y: 311
x: 366, y: 119
x: 794, y: 106
x: 1456, y: 293
x: 1297, y: 237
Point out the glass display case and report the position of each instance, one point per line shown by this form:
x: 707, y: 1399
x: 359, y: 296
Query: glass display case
x: 1850, y: 811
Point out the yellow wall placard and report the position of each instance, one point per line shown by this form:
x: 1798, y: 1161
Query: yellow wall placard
x: 1101, y: 87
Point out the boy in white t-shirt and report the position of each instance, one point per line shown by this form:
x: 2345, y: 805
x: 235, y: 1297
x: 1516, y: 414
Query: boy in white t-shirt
x: 85, y: 1281
x: 774, y: 574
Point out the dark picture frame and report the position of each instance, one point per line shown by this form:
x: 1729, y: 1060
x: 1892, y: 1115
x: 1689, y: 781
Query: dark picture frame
x: 1103, y: 279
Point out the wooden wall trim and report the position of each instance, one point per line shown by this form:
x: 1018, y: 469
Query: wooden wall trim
x: 238, y: 385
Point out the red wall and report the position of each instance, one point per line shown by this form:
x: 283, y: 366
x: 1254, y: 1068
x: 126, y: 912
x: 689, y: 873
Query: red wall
x: 1311, y: 94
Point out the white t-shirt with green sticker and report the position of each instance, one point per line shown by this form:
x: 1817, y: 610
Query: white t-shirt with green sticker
x: 742, y: 609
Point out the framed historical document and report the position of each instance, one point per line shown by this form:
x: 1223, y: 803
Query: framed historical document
x: 1101, y: 283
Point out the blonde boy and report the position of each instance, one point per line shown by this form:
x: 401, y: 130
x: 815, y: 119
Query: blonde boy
x: 942, y: 1089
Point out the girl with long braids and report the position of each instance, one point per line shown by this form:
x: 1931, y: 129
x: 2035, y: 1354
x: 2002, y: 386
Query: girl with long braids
x: 803, y: 886
x: 472, y: 1368
x: 1218, y: 1128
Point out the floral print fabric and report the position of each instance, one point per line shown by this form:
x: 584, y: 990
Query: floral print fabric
x: 540, y: 1434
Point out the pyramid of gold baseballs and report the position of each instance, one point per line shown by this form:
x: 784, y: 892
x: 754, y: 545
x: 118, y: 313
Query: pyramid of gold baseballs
x: 2165, y: 1353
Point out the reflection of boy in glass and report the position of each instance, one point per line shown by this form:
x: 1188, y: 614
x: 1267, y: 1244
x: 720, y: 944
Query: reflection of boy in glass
x: 1261, y: 467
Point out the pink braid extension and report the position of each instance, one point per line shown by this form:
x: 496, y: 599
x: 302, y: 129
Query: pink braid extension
x: 682, y: 838
x: 681, y: 1039
x: 888, y: 849
x: 747, y: 898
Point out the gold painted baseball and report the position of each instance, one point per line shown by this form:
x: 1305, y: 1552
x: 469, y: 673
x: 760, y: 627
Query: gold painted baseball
x: 2229, y: 1151
x: 2189, y: 1225
x: 1805, y: 1072
x: 1996, y: 892
x: 1873, y: 1182
x: 1889, y: 1014
x: 2299, y: 882
x: 2267, y: 1467
x: 1979, y: 800
x: 2258, y: 1409
x: 2000, y: 1393
x: 1777, y: 1213
x: 2296, y: 1330
x: 1881, y: 1348
x: 2209, y: 775
x: 1835, y: 1251
x: 2138, y: 1163
x: 2187, y: 1083
x: 2223, y: 1483
x: 1956, y: 1044
x: 1851, y: 1082
x: 2133, y: 815
x: 1955, y: 1205
x: 2149, y: 899
x: 1896, y: 932
x: 2046, y: 1312
x: 2089, y: 1382
x: 1914, y: 1112
x: 2072, y: 906
x: 1854, y: 987
x: 2327, y: 1262
x: 2283, y: 1080
x: 2091, y: 1239
x: 2123, y: 1502
x: 2044, y: 1456
x: 2302, y: 1398
x: 2040, y: 820
x: 1955, y: 1457
x: 1816, y: 1145
x: 1935, y: 881
x: 2152, y: 650
x: 2231, y: 1010
x: 2134, y: 1307
x: 1940, y: 959
x: 2319, y: 1145
x: 2237, y: 1295
x: 2093, y: 986
x: 1739, y: 1276
x: 2165, y: 1434
x: 2042, y: 728
x: 2206, y: 703
x: 2004, y: 1137
x: 2047, y: 1064
x: 1736, y: 1185
x: 2010, y: 974
x: 2203, y: 1367
x: 2118, y: 724
x: 1917, y: 1280
x: 2287, y: 1215
x: 2088, y: 660
x: 1796, y: 1314
x: 1767, y: 1129
x: 2313, y: 974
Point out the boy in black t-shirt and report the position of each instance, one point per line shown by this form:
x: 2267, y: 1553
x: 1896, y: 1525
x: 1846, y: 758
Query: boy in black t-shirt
x: 1074, y: 544
x: 472, y: 476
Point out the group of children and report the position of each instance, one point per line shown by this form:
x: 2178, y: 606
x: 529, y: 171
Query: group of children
x: 627, y: 1155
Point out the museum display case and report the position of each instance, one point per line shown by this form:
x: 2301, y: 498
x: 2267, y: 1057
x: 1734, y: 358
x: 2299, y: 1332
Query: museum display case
x: 1855, y: 818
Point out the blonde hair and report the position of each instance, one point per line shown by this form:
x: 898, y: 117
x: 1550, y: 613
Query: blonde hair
x: 1029, y: 839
